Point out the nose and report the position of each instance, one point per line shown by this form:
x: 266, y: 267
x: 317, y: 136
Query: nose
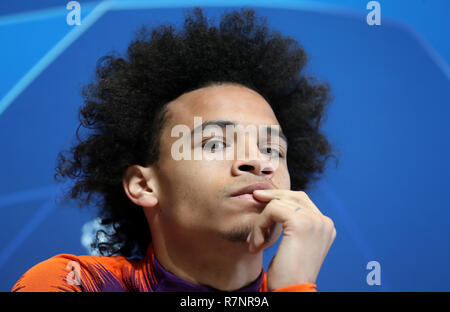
x: 259, y: 167
x: 252, y: 161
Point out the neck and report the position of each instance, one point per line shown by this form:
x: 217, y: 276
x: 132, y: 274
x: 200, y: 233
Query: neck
x: 209, y: 261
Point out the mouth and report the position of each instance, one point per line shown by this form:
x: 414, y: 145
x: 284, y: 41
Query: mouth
x: 250, y: 198
x: 246, y: 193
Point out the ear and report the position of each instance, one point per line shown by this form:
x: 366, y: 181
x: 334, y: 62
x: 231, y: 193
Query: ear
x: 139, y: 184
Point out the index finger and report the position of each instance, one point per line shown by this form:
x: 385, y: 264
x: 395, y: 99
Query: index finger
x: 266, y: 195
x: 298, y: 197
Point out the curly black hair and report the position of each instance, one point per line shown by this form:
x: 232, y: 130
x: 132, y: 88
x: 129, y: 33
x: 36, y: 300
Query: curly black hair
x: 125, y: 109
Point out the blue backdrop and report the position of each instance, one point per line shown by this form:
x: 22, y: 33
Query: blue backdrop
x: 389, y: 121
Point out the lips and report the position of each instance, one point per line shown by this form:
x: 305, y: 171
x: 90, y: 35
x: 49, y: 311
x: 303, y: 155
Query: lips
x: 252, y: 187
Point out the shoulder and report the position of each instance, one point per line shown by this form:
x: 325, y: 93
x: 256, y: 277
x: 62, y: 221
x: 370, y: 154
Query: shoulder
x: 66, y: 272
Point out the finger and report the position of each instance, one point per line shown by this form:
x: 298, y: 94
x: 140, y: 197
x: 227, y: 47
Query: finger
x: 296, y: 197
x: 304, y: 198
x: 262, y: 239
x: 291, y: 204
x: 275, y: 212
x: 273, y: 193
x: 279, y: 194
x: 264, y: 196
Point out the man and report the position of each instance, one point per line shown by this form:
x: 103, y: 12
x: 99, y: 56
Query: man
x: 198, y: 223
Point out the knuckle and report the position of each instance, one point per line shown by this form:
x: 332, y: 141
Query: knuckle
x: 301, y: 194
x: 331, y: 227
x: 333, y: 235
x: 329, y: 221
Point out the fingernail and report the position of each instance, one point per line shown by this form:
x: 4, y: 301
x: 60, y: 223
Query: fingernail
x: 248, y: 237
x: 261, y: 192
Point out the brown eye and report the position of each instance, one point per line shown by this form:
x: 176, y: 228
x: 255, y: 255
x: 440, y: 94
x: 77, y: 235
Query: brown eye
x: 272, y: 152
x: 214, y: 145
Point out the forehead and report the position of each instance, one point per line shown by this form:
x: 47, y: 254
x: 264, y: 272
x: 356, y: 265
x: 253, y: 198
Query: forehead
x: 226, y: 102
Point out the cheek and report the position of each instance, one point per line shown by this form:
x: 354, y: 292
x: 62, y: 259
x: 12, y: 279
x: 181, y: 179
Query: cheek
x: 282, y: 177
x: 192, y: 182
x: 205, y: 179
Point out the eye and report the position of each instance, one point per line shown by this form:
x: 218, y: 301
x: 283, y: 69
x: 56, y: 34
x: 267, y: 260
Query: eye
x: 214, y: 145
x: 272, y: 152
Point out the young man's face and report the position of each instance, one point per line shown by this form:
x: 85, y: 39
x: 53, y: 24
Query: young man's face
x: 196, y: 196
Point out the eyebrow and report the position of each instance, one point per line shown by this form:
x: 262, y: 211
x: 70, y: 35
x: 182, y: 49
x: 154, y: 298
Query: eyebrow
x: 223, y: 123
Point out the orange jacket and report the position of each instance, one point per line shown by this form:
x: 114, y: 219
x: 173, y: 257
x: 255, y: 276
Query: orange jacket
x: 71, y: 273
